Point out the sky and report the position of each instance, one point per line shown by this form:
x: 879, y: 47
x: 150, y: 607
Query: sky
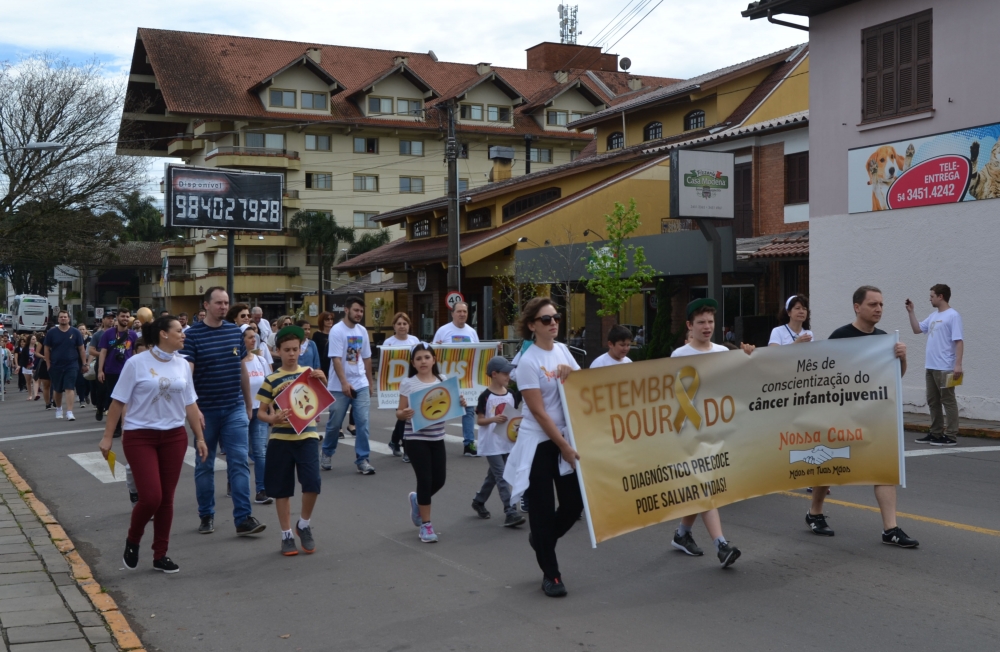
x: 679, y: 38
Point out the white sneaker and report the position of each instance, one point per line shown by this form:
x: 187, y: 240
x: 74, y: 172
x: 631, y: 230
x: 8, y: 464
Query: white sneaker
x: 59, y: 414
x: 70, y: 417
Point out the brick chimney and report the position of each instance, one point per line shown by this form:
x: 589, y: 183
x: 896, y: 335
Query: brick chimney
x: 553, y: 57
x: 315, y: 54
x: 483, y: 68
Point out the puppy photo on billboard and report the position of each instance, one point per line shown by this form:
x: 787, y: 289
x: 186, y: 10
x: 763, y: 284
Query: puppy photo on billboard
x: 884, y: 167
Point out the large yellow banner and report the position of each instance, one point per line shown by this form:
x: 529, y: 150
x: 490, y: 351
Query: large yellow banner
x: 665, y: 438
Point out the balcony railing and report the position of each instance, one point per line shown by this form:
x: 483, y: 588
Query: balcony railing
x: 251, y: 151
x: 291, y: 194
x: 256, y: 271
x: 180, y: 276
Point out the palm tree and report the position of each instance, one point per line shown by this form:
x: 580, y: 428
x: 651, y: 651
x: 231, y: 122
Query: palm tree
x: 367, y: 242
x: 320, y: 234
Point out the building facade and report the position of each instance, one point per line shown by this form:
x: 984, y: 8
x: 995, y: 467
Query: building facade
x: 901, y: 85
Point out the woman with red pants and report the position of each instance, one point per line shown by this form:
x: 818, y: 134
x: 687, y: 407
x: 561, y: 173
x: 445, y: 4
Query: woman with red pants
x: 156, y: 393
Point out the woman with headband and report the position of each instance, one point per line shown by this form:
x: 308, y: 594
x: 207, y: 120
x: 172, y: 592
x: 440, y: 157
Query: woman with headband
x: 793, y: 323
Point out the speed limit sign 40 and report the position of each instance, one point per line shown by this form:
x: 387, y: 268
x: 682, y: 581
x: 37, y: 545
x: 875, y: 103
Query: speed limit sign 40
x: 453, y: 298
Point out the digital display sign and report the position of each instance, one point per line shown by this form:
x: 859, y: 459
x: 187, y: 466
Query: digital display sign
x: 223, y: 199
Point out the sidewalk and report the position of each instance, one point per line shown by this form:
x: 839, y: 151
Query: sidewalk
x: 966, y: 427
x: 49, y: 602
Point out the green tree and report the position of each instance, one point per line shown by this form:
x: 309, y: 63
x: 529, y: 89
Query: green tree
x: 660, y: 340
x: 368, y: 241
x: 143, y: 221
x: 320, y: 234
x: 610, y: 266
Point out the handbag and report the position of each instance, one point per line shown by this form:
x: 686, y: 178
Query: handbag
x: 91, y: 372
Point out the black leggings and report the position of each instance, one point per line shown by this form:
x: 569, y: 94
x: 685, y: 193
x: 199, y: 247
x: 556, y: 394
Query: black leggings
x: 428, y: 461
x: 397, y: 433
x: 549, y: 524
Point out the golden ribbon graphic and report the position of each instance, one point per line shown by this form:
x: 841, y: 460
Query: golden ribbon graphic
x: 685, y: 398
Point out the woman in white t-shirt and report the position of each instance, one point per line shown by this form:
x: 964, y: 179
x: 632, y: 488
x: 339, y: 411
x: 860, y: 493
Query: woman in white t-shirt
x: 157, y: 389
x: 793, y: 323
x: 400, y: 337
x: 258, y: 369
x: 542, y: 455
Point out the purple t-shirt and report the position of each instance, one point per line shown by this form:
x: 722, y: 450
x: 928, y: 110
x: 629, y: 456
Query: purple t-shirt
x: 116, y: 343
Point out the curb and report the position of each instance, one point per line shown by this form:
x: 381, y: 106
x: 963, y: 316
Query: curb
x: 122, y: 632
x: 963, y: 432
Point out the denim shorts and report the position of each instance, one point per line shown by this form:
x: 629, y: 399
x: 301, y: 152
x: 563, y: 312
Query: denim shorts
x: 284, y: 459
x: 63, y: 378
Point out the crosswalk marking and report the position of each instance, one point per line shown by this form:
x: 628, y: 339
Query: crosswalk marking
x: 95, y: 464
x: 448, y: 438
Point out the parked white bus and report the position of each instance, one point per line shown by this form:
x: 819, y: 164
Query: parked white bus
x: 29, y: 313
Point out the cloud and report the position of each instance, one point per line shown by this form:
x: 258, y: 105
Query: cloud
x: 679, y: 39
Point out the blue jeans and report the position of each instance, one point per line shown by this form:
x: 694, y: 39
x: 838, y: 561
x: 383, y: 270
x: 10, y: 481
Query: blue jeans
x: 468, y: 426
x: 359, y: 407
x: 258, y: 449
x: 229, y: 428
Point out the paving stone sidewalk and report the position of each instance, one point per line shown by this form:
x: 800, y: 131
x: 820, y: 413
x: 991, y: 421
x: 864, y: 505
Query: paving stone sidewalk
x: 42, y: 606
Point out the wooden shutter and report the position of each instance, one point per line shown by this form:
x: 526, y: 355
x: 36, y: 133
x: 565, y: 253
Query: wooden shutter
x: 870, y: 77
x: 924, y: 68
x: 888, y: 61
x: 905, y: 70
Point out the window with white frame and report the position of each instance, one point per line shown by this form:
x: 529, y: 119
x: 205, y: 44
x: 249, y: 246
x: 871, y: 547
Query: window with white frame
x: 379, y: 105
x: 471, y: 112
x: 411, y: 147
x: 312, y: 100
x: 365, y: 220
x: 282, y: 99
x: 365, y: 183
x: 315, y: 142
x: 409, y: 107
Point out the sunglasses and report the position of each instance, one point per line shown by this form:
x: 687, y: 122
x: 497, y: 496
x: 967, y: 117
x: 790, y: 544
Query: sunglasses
x: 548, y: 319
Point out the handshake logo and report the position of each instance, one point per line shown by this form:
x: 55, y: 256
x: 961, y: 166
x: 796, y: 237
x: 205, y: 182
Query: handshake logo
x: 819, y: 455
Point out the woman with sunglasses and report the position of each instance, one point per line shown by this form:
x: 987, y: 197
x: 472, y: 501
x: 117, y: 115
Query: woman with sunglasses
x: 542, y: 452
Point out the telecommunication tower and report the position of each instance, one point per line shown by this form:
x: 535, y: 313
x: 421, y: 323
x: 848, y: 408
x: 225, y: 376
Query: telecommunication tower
x: 567, y: 24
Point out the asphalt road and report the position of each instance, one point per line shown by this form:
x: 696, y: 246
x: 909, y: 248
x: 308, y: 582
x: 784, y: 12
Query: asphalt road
x: 372, y: 585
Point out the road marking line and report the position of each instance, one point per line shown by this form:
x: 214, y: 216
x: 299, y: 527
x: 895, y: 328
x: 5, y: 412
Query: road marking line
x: 191, y: 455
x: 95, y: 464
x: 52, y: 434
x: 946, y: 451
x: 915, y: 517
x: 374, y: 446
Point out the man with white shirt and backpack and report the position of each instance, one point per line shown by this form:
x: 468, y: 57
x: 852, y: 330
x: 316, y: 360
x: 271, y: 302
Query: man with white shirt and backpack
x: 945, y: 349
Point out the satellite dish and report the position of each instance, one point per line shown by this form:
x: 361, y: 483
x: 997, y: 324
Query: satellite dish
x: 625, y: 63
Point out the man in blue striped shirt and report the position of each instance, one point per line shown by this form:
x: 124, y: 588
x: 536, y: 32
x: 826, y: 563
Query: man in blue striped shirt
x: 215, y: 349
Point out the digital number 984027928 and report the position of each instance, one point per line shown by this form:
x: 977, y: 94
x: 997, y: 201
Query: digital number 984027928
x: 189, y: 207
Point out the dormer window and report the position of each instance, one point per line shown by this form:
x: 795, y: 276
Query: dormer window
x: 377, y: 105
x: 282, y: 99
x: 498, y: 113
x: 616, y: 140
x: 556, y: 118
x: 471, y: 112
x: 314, y: 101
x: 409, y: 107
x: 694, y: 120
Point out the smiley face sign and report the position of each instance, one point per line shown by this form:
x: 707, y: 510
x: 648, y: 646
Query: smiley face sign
x: 513, y: 426
x: 303, y: 401
x: 435, y: 404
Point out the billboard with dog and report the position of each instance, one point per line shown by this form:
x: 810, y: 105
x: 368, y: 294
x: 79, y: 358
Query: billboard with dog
x: 941, y: 169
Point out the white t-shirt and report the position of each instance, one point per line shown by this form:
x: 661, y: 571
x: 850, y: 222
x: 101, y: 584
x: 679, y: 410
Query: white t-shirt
x: 155, y: 393
x: 687, y: 349
x: 410, y: 341
x: 352, y: 347
x: 434, y: 431
x: 264, y: 351
x: 785, y: 335
x: 537, y: 370
x: 607, y: 361
x: 265, y: 328
x: 493, y: 438
x: 452, y: 334
x: 258, y: 370
x: 943, y: 330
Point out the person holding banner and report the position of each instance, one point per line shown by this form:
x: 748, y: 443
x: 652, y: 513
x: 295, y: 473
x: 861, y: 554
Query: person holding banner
x: 793, y: 323
x: 400, y: 337
x: 425, y: 446
x: 542, y: 456
x: 458, y: 331
x: 701, y: 326
x: 868, y: 312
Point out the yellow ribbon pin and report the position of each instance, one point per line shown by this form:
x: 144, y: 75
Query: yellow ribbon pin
x: 685, y: 398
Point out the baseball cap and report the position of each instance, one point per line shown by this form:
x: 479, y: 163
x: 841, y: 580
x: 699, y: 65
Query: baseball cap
x: 498, y: 363
x: 698, y: 303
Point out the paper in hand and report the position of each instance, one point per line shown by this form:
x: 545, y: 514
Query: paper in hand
x: 111, y: 462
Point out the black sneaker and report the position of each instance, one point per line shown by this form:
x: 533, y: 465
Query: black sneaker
x: 229, y: 489
x: 926, y: 439
x: 131, y: 556
x: 686, y: 544
x: 99, y: 415
x: 250, y: 526
x: 513, y: 519
x: 469, y: 450
x: 207, y: 525
x: 896, y: 537
x: 818, y: 524
x: 49, y: 405
x: 165, y: 565
x: 263, y: 499
x: 554, y: 588
x: 133, y: 496
x: 306, y: 537
x: 480, y: 509
x: 945, y: 440
x: 397, y: 450
x: 728, y: 553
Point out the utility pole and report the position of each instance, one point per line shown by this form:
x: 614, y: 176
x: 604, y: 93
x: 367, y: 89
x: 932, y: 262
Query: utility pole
x: 230, y: 262
x: 451, y: 152
x: 527, y: 153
